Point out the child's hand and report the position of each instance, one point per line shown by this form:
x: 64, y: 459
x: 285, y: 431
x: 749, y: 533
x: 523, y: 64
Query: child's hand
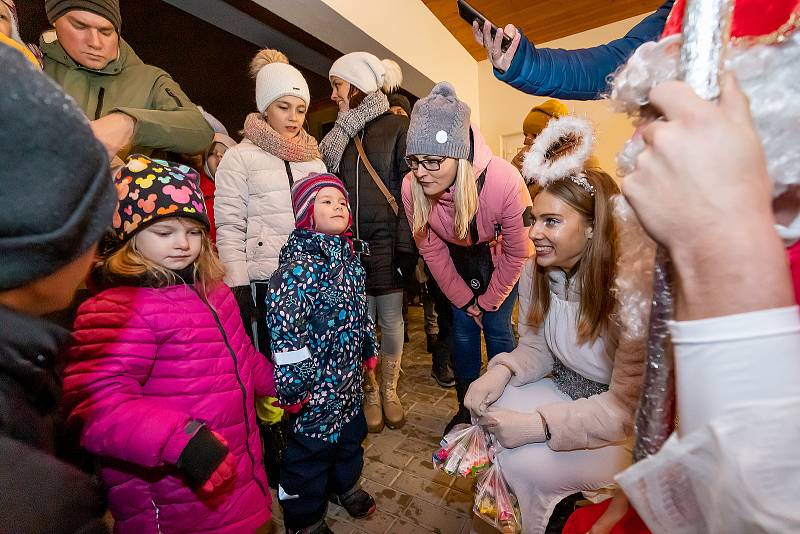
x: 206, y: 460
x: 224, y: 472
x: 370, y: 364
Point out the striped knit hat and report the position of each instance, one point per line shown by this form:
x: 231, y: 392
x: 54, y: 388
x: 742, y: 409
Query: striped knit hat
x: 304, y: 192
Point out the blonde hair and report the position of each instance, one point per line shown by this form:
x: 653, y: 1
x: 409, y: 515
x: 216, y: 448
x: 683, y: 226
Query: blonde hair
x: 465, y: 200
x: 127, y: 261
x: 597, y: 268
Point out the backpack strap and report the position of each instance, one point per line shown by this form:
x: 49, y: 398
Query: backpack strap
x: 473, y: 224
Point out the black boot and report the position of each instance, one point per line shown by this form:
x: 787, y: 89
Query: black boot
x: 357, y: 502
x: 462, y: 416
x: 441, y: 369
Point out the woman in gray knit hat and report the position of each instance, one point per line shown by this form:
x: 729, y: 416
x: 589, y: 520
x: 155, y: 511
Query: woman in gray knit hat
x: 465, y: 207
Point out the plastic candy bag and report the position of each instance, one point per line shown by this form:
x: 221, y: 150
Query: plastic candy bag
x: 495, y: 503
x: 464, y: 452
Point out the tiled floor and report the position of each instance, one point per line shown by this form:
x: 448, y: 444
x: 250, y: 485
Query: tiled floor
x: 411, y: 496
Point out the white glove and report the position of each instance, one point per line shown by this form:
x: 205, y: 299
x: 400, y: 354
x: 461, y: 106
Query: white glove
x: 487, y: 389
x: 513, y: 429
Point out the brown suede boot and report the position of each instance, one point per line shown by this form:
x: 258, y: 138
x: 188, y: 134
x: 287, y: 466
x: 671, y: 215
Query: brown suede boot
x: 393, y: 412
x: 373, y: 412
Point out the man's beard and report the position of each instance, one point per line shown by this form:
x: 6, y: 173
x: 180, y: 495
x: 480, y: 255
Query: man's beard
x: 768, y: 74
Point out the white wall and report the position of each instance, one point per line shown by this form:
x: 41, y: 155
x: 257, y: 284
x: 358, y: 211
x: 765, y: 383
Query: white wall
x: 503, y: 108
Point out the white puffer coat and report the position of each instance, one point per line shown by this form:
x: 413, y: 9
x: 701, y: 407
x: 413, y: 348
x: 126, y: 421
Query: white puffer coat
x: 253, y: 210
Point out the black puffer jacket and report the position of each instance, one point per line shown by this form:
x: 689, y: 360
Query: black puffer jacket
x: 390, y: 242
x: 38, y: 493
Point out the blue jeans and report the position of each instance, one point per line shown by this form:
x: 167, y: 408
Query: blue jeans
x: 497, y: 332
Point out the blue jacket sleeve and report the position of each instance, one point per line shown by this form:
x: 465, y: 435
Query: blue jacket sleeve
x: 578, y: 74
x: 290, y: 305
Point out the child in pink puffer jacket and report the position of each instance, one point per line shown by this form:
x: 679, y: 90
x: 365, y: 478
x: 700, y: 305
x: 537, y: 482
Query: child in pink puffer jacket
x: 161, y: 378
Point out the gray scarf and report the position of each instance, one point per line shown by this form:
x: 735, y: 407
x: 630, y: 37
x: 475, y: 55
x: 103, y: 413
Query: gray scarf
x: 348, y: 124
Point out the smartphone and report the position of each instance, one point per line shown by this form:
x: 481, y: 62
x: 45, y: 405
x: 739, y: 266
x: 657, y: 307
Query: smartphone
x: 470, y: 14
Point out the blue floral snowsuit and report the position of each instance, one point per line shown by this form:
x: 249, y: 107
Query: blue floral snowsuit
x: 321, y: 334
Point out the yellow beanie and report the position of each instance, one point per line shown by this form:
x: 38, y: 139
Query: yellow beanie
x: 538, y: 117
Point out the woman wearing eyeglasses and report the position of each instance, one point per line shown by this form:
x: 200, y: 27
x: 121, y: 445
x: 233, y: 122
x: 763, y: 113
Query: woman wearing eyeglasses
x: 465, y: 207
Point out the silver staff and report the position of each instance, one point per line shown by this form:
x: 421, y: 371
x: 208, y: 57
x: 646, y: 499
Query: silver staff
x: 706, y: 28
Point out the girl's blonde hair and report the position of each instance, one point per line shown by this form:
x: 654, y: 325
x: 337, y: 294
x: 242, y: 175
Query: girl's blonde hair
x: 597, y: 268
x: 465, y: 200
x: 127, y: 261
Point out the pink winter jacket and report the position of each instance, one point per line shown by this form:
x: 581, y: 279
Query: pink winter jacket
x: 502, y: 201
x: 143, y: 363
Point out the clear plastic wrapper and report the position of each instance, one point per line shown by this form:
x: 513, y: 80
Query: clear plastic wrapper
x: 495, y: 503
x: 464, y: 452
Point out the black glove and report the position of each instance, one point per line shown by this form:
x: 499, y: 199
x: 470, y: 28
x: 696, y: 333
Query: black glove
x: 407, y: 264
x: 201, y: 456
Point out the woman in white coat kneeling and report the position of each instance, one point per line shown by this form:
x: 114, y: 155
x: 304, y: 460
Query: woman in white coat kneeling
x: 562, y: 403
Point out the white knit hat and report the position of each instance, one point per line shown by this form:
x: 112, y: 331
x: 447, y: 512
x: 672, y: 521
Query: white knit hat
x: 367, y: 72
x: 276, y: 78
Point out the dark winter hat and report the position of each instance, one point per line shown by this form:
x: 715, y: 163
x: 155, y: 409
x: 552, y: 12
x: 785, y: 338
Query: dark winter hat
x: 439, y: 125
x: 396, y: 99
x: 304, y: 192
x: 152, y: 189
x: 108, y: 9
x: 57, y: 196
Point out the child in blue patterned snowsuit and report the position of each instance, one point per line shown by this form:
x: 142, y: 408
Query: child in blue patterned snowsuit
x: 322, y: 338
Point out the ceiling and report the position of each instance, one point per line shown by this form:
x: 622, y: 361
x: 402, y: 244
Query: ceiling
x: 540, y: 20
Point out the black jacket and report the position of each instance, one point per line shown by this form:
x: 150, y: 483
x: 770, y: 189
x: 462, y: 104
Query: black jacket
x: 389, y: 237
x: 38, y: 492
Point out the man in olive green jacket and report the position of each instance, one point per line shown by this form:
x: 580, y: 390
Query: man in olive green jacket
x: 132, y: 107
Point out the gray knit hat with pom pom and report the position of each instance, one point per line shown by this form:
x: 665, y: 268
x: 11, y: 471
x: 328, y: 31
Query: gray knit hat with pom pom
x: 439, y: 125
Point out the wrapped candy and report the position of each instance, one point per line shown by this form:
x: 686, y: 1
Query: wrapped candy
x: 495, y: 503
x: 464, y: 451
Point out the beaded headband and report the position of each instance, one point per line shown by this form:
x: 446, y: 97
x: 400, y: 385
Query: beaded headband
x: 582, y: 181
x: 560, y: 152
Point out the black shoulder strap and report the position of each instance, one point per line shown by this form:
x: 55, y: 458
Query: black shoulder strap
x: 289, y: 173
x: 291, y: 183
x: 473, y: 224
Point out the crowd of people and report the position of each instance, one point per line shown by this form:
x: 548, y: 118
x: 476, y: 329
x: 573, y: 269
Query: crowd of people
x: 235, y: 311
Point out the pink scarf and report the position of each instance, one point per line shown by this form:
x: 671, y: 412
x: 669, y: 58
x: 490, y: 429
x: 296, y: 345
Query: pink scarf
x: 302, y: 147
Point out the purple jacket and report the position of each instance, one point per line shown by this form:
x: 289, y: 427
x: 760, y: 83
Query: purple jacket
x: 502, y: 201
x: 145, y: 361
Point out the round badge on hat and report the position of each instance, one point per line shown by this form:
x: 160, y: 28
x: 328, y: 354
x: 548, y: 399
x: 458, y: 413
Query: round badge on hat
x: 441, y: 137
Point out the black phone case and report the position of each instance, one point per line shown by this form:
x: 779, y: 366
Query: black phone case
x: 470, y: 14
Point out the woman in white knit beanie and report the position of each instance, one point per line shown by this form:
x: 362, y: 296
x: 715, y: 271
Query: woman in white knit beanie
x: 253, y: 203
x: 360, y: 83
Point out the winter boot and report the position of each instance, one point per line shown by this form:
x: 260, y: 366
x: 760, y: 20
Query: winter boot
x: 441, y: 368
x: 462, y: 416
x: 358, y: 503
x: 393, y: 412
x: 373, y: 412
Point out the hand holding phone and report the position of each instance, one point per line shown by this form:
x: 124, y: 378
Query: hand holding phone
x: 472, y: 16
